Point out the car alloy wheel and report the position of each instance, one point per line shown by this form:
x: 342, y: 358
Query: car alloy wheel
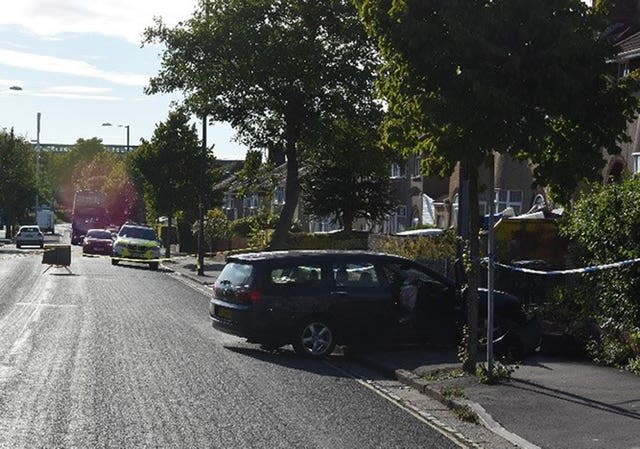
x: 314, y: 339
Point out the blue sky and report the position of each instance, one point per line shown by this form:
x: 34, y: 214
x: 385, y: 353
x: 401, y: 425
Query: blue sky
x: 80, y: 64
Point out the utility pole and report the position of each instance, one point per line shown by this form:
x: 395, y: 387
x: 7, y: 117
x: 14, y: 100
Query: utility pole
x: 37, y: 162
x: 491, y: 265
x: 203, y: 161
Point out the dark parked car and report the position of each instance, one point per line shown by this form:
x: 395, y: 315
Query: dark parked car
x: 97, y: 241
x: 317, y: 299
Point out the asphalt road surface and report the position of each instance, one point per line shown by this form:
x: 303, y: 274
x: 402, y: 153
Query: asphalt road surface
x: 122, y: 356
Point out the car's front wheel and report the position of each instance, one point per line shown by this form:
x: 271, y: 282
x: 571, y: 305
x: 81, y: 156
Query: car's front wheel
x: 506, y: 341
x: 314, y: 339
x: 154, y: 266
x: 114, y: 261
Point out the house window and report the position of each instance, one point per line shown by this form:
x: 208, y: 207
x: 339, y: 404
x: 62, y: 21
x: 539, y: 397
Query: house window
x: 636, y: 163
x: 417, y: 171
x: 250, y: 204
x: 396, y: 170
x: 323, y: 224
x: 400, y: 219
x: 509, y: 198
x: 229, y: 207
x: 278, y: 195
x: 229, y: 202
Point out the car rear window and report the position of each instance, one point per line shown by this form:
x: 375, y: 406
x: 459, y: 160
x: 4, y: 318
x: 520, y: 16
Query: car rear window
x: 236, y: 274
x: 30, y: 229
x: 99, y: 234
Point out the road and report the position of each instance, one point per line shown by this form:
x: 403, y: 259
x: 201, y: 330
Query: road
x: 122, y: 356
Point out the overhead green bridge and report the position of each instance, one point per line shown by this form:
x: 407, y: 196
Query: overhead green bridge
x: 63, y: 148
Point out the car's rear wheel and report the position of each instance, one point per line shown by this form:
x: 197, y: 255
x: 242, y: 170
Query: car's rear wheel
x: 153, y: 266
x: 315, y: 339
x: 114, y: 261
x: 18, y: 245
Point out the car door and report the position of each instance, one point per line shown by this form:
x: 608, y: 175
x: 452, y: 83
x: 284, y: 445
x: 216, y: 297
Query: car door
x: 361, y: 299
x: 296, y: 289
x: 436, y: 314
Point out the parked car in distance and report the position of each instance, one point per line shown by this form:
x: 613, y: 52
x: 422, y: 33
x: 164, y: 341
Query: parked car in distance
x: 315, y: 300
x: 29, y: 236
x: 97, y: 241
x: 136, y: 243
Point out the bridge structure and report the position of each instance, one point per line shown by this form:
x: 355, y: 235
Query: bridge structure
x: 63, y: 148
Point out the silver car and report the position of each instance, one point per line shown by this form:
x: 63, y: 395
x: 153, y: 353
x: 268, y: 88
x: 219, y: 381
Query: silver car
x: 29, y: 235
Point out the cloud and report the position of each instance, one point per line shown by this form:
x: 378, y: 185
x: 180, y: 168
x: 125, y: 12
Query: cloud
x: 73, y: 67
x: 119, y: 18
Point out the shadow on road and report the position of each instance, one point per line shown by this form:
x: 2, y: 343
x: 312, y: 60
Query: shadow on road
x: 287, y: 358
x: 533, y: 387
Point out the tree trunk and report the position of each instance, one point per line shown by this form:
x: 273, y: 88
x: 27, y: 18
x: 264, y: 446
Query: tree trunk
x: 291, y: 195
x: 469, y: 364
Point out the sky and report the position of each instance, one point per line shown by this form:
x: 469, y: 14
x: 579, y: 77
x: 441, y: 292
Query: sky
x: 80, y: 64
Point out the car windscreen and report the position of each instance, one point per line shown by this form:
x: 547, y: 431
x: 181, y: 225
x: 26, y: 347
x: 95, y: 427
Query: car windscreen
x: 106, y: 235
x: 138, y: 233
x: 236, y: 274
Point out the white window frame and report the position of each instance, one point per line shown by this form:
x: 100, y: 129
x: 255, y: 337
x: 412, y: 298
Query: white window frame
x: 636, y: 163
x: 509, y: 201
x: 396, y: 170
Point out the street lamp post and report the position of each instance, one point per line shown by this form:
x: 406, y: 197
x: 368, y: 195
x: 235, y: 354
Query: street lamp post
x: 37, y: 161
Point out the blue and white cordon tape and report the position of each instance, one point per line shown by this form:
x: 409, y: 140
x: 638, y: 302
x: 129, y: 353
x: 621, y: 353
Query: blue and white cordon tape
x: 590, y: 269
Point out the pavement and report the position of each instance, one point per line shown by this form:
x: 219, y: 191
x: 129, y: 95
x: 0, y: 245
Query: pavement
x: 545, y: 402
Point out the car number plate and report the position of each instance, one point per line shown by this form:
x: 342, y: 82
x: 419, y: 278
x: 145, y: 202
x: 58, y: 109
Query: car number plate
x: 223, y: 312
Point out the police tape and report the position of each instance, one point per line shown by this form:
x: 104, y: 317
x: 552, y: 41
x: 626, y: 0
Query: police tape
x: 591, y: 269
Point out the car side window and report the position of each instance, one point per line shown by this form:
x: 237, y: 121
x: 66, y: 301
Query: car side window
x: 355, y: 275
x: 297, y: 274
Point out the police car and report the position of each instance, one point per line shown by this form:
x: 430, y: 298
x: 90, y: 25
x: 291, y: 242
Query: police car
x: 136, y: 243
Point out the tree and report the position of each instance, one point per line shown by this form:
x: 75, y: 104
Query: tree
x: 17, y: 179
x: 63, y: 171
x: 347, y: 176
x: 274, y: 70
x: 216, y: 226
x: 466, y: 78
x: 167, y: 169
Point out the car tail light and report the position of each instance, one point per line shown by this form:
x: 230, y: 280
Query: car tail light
x: 249, y: 295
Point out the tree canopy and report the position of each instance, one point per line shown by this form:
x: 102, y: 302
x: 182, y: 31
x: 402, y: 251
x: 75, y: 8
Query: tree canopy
x: 167, y: 168
x: 275, y: 70
x: 522, y: 77
x: 17, y: 178
x: 347, y: 176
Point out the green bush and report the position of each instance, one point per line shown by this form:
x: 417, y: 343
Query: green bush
x: 338, y: 240
x: 604, y: 227
x: 244, y: 226
x: 438, y: 247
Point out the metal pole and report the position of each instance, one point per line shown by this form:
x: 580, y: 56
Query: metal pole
x: 127, y: 138
x: 491, y: 265
x: 37, y: 162
x: 203, y: 161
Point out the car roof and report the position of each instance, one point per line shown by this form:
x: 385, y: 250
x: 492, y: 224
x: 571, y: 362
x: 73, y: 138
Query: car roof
x: 330, y: 255
x: 30, y: 226
x: 311, y: 254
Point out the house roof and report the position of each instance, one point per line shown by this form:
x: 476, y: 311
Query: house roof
x: 630, y: 46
